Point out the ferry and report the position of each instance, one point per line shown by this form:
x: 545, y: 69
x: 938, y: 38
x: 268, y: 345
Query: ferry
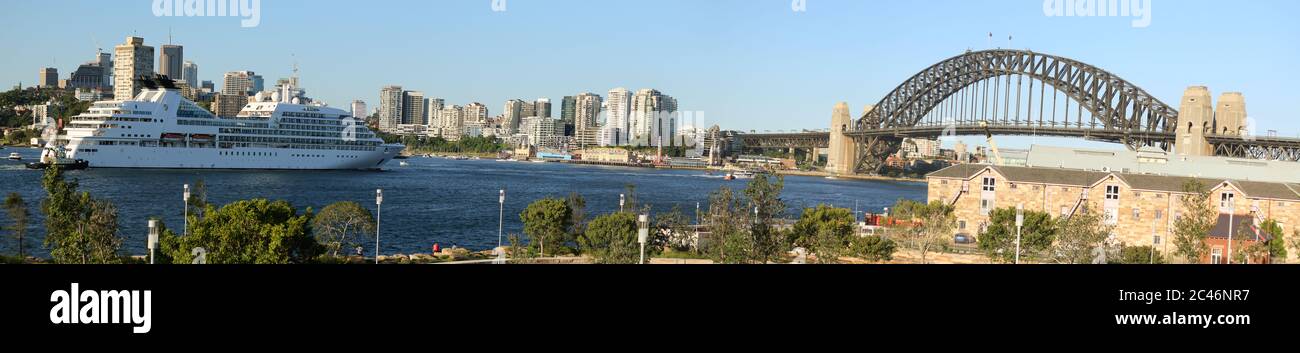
x: 159, y: 128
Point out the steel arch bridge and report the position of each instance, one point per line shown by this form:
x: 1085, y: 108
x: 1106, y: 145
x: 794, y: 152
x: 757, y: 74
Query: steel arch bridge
x: 1009, y: 91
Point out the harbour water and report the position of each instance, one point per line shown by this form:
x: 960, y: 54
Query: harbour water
x: 430, y: 200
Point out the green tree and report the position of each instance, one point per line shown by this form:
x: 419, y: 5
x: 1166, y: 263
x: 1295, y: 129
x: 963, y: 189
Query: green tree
x: 1276, y: 243
x: 873, y: 248
x: 729, y: 240
x: 929, y: 227
x: 198, y: 199
x: 577, y: 214
x: 825, y: 231
x: 998, y: 241
x: 1078, y: 235
x: 78, y: 229
x: 1193, y: 227
x: 764, y: 196
x: 18, y: 213
x: 1137, y: 255
x: 612, y: 239
x: 547, y: 222
x: 341, y: 225
x: 251, y: 232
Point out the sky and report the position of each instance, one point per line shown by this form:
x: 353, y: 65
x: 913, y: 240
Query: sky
x: 744, y: 64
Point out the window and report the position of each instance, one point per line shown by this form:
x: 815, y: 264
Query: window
x: 1216, y: 256
x: 1013, y: 186
x: 1160, y: 214
x: 1137, y: 214
x: 985, y: 206
x: 961, y: 224
x: 1226, y: 199
x: 1065, y: 211
x: 1155, y: 240
x: 990, y: 184
x: 1112, y: 192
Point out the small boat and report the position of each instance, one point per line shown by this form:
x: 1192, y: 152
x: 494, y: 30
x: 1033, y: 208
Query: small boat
x: 65, y: 164
x: 404, y: 163
x: 15, y: 156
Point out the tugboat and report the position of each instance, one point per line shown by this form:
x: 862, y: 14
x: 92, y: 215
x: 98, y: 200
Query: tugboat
x: 55, y: 156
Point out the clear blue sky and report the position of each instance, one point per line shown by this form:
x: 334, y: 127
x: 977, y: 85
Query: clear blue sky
x: 747, y: 64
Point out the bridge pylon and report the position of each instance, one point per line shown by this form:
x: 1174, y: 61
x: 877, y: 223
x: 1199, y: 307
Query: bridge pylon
x: 1195, y: 120
x: 843, y: 155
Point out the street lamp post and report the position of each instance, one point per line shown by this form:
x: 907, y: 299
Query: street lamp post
x: 153, y: 238
x: 379, y: 211
x: 186, y: 197
x: 501, y: 216
x: 621, y: 200
x: 643, y: 234
x: 1020, y: 223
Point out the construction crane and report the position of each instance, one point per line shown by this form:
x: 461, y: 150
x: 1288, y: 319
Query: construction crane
x: 993, y: 145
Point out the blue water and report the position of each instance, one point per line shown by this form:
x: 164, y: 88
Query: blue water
x: 430, y: 201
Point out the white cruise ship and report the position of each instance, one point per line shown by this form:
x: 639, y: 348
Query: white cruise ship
x: 159, y: 128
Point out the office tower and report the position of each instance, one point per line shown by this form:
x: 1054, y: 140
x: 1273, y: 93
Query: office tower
x: 542, y: 107
x: 359, y: 109
x: 209, y: 86
x: 475, y: 112
x: 390, y: 108
x: 131, y: 60
x: 49, y: 77
x: 171, y: 61
x: 190, y: 73
x: 242, y: 82
x: 434, y: 107
x: 105, y: 61
x: 619, y: 107
x: 568, y: 111
x: 413, y: 108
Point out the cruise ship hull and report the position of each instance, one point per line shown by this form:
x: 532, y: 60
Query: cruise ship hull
x: 242, y: 158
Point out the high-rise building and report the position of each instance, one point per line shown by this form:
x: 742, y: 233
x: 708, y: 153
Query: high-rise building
x: 568, y: 112
x: 105, y: 61
x: 619, y: 107
x: 434, y: 109
x: 131, y: 60
x: 242, y: 83
x: 49, y: 77
x: 652, y: 119
x: 542, y: 107
x: 190, y: 73
x: 512, y: 115
x: 542, y: 131
x: 228, y: 105
x: 413, y: 108
x: 475, y: 112
x: 587, y: 118
x: 452, y: 122
x: 171, y: 61
x: 359, y: 109
x: 390, y: 108
x: 209, y: 86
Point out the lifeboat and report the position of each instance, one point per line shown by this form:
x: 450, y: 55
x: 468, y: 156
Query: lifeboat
x: 201, y: 137
x: 173, y: 137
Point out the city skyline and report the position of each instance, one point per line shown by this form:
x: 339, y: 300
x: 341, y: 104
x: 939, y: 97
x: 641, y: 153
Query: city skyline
x: 720, y: 57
